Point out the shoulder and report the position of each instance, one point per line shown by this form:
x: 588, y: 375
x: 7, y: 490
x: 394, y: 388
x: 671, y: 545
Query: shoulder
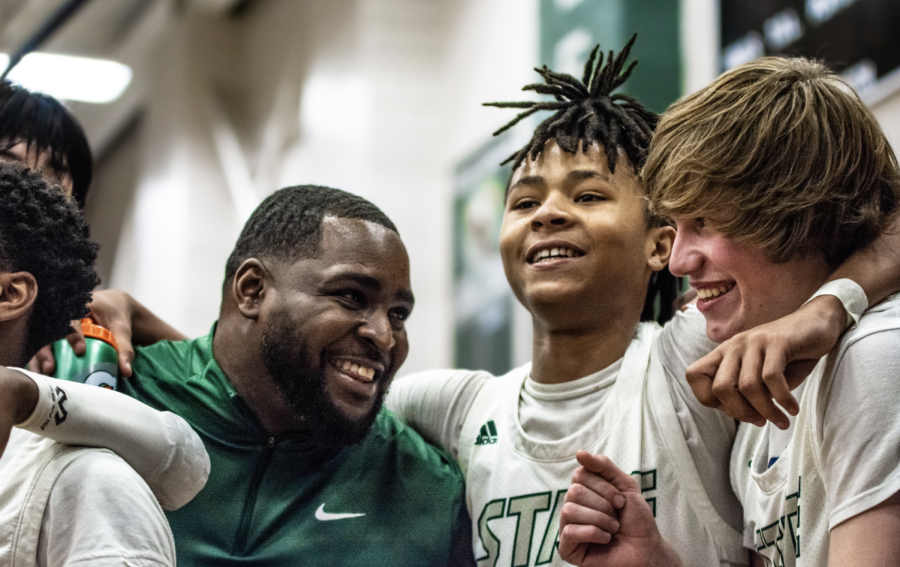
x: 395, y: 441
x: 100, y: 512
x: 106, y: 477
x: 166, y: 363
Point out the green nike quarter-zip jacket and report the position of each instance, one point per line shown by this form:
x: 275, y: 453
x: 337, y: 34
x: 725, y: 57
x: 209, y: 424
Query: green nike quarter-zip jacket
x: 391, y: 500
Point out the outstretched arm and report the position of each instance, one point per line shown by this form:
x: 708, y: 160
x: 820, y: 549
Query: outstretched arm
x: 745, y: 374
x: 160, y: 446
x: 605, y: 520
x: 130, y: 322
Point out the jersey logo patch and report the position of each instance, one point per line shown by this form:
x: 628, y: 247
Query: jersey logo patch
x: 324, y: 516
x: 488, y: 434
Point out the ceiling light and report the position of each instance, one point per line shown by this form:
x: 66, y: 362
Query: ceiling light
x: 70, y: 78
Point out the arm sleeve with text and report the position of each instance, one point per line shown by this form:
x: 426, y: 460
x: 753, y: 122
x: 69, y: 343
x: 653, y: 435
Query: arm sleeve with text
x: 160, y: 446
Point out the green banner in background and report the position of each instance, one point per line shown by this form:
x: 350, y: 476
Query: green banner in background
x: 571, y: 28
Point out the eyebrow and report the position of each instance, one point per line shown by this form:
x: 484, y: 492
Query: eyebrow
x: 581, y: 174
x: 572, y: 176
x: 404, y: 295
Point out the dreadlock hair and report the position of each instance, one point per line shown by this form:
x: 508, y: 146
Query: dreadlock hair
x: 586, y: 111
x: 43, y: 233
x: 45, y: 125
x: 287, y: 225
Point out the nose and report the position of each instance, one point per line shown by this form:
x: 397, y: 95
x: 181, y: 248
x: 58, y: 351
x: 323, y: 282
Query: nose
x: 686, y: 258
x: 552, y: 213
x: 377, y: 330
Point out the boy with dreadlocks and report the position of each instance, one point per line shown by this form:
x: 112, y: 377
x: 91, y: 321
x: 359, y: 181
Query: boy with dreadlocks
x: 586, y: 258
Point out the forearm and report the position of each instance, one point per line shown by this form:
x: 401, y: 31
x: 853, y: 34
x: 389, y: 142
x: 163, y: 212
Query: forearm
x: 159, y: 446
x: 18, y: 395
x: 876, y: 268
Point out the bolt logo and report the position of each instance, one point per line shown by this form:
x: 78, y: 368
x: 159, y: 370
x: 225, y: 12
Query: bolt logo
x: 488, y: 434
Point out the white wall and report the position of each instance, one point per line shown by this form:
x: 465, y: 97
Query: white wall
x: 378, y: 97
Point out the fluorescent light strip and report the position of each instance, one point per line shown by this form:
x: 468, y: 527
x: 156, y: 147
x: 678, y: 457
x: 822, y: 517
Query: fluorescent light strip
x: 70, y: 78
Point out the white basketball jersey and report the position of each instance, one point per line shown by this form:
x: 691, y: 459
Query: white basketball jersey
x: 516, y: 484
x: 786, y: 508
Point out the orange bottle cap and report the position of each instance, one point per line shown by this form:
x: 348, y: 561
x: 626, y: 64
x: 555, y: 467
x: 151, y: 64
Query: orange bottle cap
x: 91, y: 329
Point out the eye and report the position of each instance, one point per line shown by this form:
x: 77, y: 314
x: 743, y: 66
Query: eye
x: 525, y: 204
x: 399, y: 317
x: 589, y: 198
x: 351, y: 297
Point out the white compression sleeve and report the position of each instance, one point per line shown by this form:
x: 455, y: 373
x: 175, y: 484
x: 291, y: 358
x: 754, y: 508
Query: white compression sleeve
x: 160, y: 446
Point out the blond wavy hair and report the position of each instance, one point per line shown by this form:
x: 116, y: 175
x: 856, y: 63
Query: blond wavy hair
x: 782, y: 155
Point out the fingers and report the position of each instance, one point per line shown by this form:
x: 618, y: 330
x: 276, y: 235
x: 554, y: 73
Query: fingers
x: 43, y: 362
x: 76, y: 339
x: 758, y: 382
x: 773, y: 375
x: 700, y: 377
x: 122, y: 333
x: 608, y: 480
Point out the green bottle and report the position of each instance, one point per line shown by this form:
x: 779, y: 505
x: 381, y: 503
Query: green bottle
x: 99, y: 366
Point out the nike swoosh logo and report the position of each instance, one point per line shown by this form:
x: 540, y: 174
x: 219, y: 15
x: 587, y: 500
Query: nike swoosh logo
x: 324, y: 516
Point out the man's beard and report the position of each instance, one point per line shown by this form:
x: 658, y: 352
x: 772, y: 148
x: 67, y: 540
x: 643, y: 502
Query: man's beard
x: 302, y: 387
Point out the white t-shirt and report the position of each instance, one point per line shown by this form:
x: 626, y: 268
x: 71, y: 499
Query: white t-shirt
x: 843, y: 457
x: 100, y: 513
x: 435, y: 403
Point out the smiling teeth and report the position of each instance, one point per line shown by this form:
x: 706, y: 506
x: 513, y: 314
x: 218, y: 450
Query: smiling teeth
x: 552, y: 253
x: 713, y: 291
x: 362, y: 371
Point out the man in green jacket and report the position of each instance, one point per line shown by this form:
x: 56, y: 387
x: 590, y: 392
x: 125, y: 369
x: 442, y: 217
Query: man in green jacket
x: 286, y: 392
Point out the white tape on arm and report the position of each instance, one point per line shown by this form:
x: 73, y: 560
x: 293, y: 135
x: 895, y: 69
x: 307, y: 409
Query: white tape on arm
x: 850, y: 294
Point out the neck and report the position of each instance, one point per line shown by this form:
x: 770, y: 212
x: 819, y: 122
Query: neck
x: 12, y: 347
x: 238, y: 350
x: 564, y: 355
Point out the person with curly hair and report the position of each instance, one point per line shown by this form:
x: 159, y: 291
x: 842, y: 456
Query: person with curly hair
x: 60, y: 503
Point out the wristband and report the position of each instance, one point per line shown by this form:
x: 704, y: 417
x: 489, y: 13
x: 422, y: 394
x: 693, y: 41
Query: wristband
x: 850, y: 294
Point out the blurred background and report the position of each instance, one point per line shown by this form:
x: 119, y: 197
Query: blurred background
x: 198, y: 109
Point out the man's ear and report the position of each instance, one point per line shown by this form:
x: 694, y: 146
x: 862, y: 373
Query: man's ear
x: 18, y: 292
x: 659, y: 247
x: 250, y: 284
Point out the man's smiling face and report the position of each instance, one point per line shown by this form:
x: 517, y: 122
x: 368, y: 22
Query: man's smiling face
x: 335, y: 327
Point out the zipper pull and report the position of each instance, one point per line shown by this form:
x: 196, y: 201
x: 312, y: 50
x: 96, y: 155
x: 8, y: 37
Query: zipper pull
x: 271, y: 443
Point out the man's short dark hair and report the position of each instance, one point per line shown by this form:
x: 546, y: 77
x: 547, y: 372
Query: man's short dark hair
x: 43, y: 233
x: 287, y: 225
x: 46, y: 126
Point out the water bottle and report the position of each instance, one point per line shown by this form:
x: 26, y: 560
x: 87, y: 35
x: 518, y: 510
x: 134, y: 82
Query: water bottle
x: 99, y: 366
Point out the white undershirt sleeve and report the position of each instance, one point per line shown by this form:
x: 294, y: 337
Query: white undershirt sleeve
x: 160, y: 446
x: 435, y: 403
x: 859, y: 434
x: 709, y: 433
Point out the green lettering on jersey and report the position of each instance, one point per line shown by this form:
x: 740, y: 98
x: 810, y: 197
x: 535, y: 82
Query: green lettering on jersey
x: 493, y: 509
x: 551, y: 534
x: 647, y: 482
x: 526, y: 508
x: 771, y: 543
